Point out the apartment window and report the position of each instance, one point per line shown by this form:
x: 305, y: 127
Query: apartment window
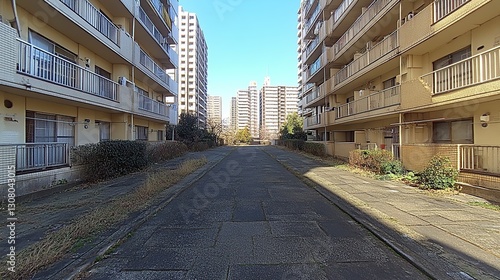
x: 141, y: 133
x: 447, y: 79
x: 389, y: 83
x: 42, y: 128
x: 104, y: 131
x: 161, y: 135
x: 453, y: 132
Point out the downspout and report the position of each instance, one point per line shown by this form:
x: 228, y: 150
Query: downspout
x: 16, y: 18
x: 132, y: 136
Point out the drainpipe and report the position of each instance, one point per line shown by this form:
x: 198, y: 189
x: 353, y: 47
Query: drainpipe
x: 132, y: 136
x: 16, y: 18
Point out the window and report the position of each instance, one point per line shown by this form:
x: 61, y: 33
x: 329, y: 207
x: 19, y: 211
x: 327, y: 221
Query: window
x: 42, y: 128
x: 141, y: 133
x: 161, y: 135
x: 104, y: 131
x: 453, y: 132
x: 450, y: 78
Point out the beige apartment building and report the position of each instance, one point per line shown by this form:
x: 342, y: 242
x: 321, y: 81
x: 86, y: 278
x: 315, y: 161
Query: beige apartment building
x: 416, y: 77
x: 74, y: 72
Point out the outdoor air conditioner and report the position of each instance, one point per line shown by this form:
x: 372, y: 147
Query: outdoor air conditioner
x: 368, y: 45
x: 122, y: 81
x: 328, y: 109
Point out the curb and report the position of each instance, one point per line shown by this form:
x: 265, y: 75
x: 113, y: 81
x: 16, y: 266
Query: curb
x: 72, y: 268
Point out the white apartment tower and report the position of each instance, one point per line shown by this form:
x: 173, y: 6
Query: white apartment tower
x: 215, y: 109
x: 234, y: 113
x: 248, y: 110
x: 276, y: 103
x: 193, y: 65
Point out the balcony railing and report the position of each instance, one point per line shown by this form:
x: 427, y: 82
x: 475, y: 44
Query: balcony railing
x: 442, y: 8
x: 152, y: 106
x: 387, y: 97
x: 155, y: 33
x: 374, y: 8
x: 313, y: 95
x: 39, y: 156
x: 480, y: 68
x: 147, y: 62
x: 313, y: 120
x: 94, y: 17
x: 36, y: 62
x: 312, y: 19
x: 480, y: 158
x: 341, y: 10
x: 316, y: 66
x: 388, y: 44
x: 312, y: 46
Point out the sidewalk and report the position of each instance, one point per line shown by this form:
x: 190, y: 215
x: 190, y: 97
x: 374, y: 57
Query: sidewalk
x: 441, y: 234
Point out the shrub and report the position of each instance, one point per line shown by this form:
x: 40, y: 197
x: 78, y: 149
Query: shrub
x: 316, y: 149
x: 378, y: 161
x: 161, y: 151
x: 438, y: 174
x: 294, y: 144
x: 199, y: 146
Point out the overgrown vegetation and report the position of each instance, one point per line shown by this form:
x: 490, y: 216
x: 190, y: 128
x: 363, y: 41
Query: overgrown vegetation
x: 379, y: 161
x: 56, y: 244
x: 190, y: 133
x: 438, y: 174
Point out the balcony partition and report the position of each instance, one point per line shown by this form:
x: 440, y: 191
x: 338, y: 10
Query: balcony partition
x: 94, y: 17
x: 38, y: 63
x: 385, y: 98
x: 480, y: 68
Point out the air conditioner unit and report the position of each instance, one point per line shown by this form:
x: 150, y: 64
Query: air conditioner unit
x: 361, y: 92
x: 328, y: 109
x: 368, y: 45
x: 410, y: 16
x: 122, y: 81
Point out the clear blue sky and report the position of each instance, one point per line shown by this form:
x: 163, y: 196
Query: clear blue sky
x: 247, y: 40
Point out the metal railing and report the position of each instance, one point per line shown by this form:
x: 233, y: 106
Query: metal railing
x: 313, y: 120
x: 94, y: 17
x: 36, y: 62
x: 34, y: 156
x: 153, y: 31
x: 388, y: 44
x: 477, y: 69
x: 316, y: 65
x: 370, y: 13
x: 367, y: 146
x: 387, y: 97
x: 313, y: 95
x: 312, y: 19
x: 341, y: 10
x: 480, y: 158
x: 148, y: 62
x: 442, y: 8
x: 153, y: 106
x: 312, y: 46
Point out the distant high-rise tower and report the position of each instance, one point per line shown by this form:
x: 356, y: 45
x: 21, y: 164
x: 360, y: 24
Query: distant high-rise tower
x: 215, y: 109
x: 276, y: 102
x: 193, y: 65
x: 248, y: 110
x: 234, y: 113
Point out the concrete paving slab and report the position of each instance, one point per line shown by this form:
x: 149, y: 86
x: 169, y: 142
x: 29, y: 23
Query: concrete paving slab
x: 281, y: 271
x: 302, y: 228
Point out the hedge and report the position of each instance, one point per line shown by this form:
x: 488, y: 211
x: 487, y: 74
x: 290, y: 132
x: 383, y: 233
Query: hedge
x: 378, y: 161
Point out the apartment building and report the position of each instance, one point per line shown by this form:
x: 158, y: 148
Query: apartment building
x: 275, y: 104
x: 215, y: 108
x: 414, y: 77
x: 74, y: 72
x: 193, y: 67
x: 234, y: 114
x: 248, y: 109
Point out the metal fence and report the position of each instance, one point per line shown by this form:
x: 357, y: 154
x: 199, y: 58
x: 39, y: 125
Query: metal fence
x: 31, y: 156
x: 480, y: 158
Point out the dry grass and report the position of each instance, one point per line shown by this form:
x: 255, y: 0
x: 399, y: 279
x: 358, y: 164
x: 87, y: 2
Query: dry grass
x: 57, y: 244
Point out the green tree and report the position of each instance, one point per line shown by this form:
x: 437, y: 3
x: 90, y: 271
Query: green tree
x: 243, y: 135
x: 187, y: 129
x: 292, y: 128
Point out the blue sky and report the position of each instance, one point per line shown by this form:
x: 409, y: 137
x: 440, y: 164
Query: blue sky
x: 247, y: 40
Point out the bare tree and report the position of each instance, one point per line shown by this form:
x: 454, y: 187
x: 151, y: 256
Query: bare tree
x: 215, y: 127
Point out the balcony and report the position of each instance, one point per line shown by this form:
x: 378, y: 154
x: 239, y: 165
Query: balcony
x: 372, y: 55
x: 484, y: 159
x: 312, y: 121
x: 41, y: 156
x: 315, y: 97
x: 363, y: 22
x: 311, y: 22
x: 385, y: 98
x: 40, y: 64
x: 315, y: 68
x: 94, y: 17
x: 152, y: 106
x: 156, y: 73
x: 442, y: 8
x: 339, y: 12
x: 480, y: 68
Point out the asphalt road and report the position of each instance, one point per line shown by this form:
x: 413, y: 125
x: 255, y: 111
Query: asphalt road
x: 250, y: 218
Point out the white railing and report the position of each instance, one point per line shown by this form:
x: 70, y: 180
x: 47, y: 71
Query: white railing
x: 147, y: 62
x: 313, y: 95
x: 153, y: 106
x: 34, y: 156
x: 341, y: 9
x: 367, y: 146
x: 313, y: 120
x: 94, y: 17
x: 153, y: 31
x: 309, y: 24
x: 41, y: 64
x: 372, y: 11
x: 387, y: 97
x: 316, y: 65
x: 312, y: 46
x: 442, y: 8
x: 480, y: 158
x: 388, y: 44
x: 477, y: 69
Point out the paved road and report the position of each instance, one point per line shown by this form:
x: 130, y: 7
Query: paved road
x: 250, y: 218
